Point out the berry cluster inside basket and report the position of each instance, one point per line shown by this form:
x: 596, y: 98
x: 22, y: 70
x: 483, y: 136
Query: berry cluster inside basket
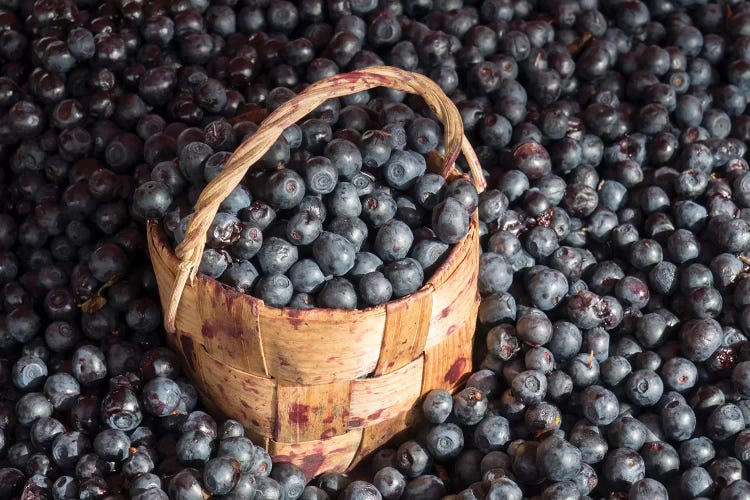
x: 346, y: 209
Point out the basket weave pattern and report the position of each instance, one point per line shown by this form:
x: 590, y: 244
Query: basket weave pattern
x: 321, y: 388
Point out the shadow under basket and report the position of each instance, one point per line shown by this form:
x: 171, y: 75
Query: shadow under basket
x: 322, y: 388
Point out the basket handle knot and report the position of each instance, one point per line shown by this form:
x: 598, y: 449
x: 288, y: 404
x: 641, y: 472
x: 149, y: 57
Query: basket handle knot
x: 190, y: 249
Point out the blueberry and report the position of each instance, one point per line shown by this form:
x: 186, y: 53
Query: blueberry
x: 29, y: 373
x: 529, y: 386
x: 534, y: 328
x: 389, y: 482
x: 406, y: 276
x: 590, y: 441
x: 464, y: 192
x: 345, y: 157
x: 214, y: 165
x: 306, y: 276
x: 495, y: 274
x: 161, y: 396
x: 423, y: 135
x: 284, y: 189
x: 450, y: 220
x: 437, y: 406
x: 600, y: 406
x: 276, y: 256
x: 565, y: 340
x: 90, y: 365
x: 221, y: 475
x: 445, y: 441
x: 248, y: 243
x: 559, y: 386
x: 557, y: 459
x: 338, y: 293
x: 428, y: 190
x: 644, y: 387
x: 412, y: 460
x: 539, y: 359
x: 504, y: 487
x: 430, y: 253
x: 312, y: 492
x: 194, y: 448
x: 661, y: 459
x: 648, y: 488
x: 700, y: 338
x: 403, y: 168
x: 492, y: 433
x: 152, y: 199
x: 724, y: 422
x: 185, y: 483
x: 375, y: 148
x: 374, y: 289
x: 239, y: 448
x: 333, y: 253
x: 276, y: 290
x: 737, y: 489
x: 632, y: 291
x: 61, y: 389
x: 496, y: 308
x: 469, y: 406
x: 393, y: 241
x: 198, y: 420
x: 43, y: 432
x: 357, y: 490
x: 741, y: 376
x: 364, y: 263
x: 314, y: 205
x: 240, y: 275
x: 290, y: 477
x: 696, y: 451
x: 303, y: 228
x: 678, y: 421
x: 145, y: 482
x: 623, y: 467
x: 68, y: 447
x: 112, y: 445
x: 378, y: 208
x: 320, y: 175
x: 122, y: 410
x: 695, y: 482
x: 223, y: 231
x: 546, y: 288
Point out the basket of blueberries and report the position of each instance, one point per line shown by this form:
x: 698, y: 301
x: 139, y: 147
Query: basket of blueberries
x: 319, y: 295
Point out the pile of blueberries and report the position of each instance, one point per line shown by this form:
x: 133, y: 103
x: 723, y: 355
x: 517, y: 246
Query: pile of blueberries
x: 612, y: 354
x: 334, y: 203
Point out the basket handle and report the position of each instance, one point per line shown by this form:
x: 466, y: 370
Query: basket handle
x: 190, y: 250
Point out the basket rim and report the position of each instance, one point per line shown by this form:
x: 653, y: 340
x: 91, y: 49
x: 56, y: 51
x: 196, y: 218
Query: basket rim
x: 155, y: 229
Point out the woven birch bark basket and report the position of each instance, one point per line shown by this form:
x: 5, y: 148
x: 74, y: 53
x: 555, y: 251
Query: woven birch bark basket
x: 321, y: 388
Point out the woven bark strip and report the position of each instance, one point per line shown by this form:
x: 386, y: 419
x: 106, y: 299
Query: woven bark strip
x: 311, y: 412
x: 377, y: 399
x: 323, y: 387
x: 301, y: 345
x: 453, y: 294
x: 457, y: 347
x: 406, y: 327
x: 329, y: 454
x: 246, y: 397
x: 392, y: 430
